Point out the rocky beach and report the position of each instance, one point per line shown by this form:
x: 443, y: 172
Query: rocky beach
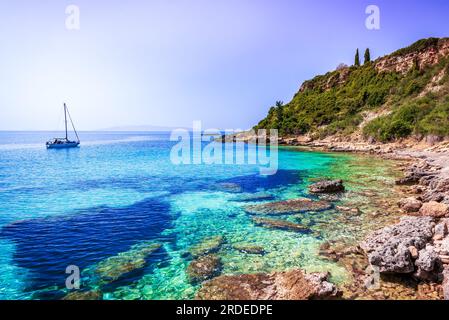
x: 406, y: 259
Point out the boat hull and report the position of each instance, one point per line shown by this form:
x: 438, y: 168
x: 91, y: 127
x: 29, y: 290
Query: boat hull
x: 63, y: 145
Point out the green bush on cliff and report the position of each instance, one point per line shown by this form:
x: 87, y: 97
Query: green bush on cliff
x: 334, y: 103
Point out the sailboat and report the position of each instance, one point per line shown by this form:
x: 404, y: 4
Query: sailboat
x: 62, y: 143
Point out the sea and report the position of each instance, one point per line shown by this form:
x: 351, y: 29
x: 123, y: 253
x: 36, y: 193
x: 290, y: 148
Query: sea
x: 119, y: 211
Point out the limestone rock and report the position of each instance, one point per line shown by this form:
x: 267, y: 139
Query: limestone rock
x: 427, y: 259
x: 204, y: 268
x: 248, y: 248
x: 114, y: 267
x: 280, y: 224
x: 434, y: 209
x: 388, y: 248
x: 327, y: 186
x: 84, y: 295
x: 410, y: 204
x: 288, y: 207
x: 289, y: 285
x: 206, y: 246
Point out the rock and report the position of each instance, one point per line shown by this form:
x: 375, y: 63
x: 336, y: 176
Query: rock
x: 388, y: 248
x: 441, y: 230
x: 280, y: 224
x: 253, y: 197
x: 410, y: 204
x: 248, y: 248
x: 440, y: 185
x: 354, y: 211
x: 431, y: 195
x: 229, y: 187
x: 288, y: 207
x: 445, y: 284
x: 327, y: 186
x: 204, y: 268
x: 289, y: 285
x: 434, y: 209
x: 444, y: 247
x: 84, y: 295
x: 413, y: 251
x: 410, y: 178
x: 206, y: 246
x: 325, y: 246
x: 427, y: 259
x: 114, y: 267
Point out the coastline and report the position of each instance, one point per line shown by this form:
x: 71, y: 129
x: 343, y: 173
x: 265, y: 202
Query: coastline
x: 418, y: 240
x: 426, y: 186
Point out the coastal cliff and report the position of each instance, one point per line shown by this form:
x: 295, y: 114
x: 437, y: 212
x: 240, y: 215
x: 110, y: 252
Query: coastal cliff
x: 402, y: 95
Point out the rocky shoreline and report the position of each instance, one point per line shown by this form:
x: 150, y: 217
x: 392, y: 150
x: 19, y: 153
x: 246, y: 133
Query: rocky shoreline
x: 413, y: 252
x: 417, y: 247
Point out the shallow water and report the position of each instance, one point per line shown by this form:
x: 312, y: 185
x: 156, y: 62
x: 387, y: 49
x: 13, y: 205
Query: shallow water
x: 83, y: 206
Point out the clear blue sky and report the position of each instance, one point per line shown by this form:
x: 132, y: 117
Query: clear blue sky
x: 169, y: 62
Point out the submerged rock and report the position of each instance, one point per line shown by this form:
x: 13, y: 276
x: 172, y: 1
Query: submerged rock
x: 434, y: 209
x: 249, y: 248
x: 204, y: 268
x: 280, y: 224
x: 327, y: 186
x: 253, y: 197
x: 410, y: 204
x: 84, y: 295
x: 229, y: 187
x: 290, y: 285
x: 114, y: 267
x: 288, y: 206
x: 206, y: 246
x: 388, y: 248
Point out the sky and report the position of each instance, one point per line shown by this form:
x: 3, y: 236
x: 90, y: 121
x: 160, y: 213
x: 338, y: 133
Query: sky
x: 171, y: 62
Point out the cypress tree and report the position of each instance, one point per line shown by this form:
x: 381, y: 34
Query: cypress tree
x: 357, y: 58
x: 367, y: 56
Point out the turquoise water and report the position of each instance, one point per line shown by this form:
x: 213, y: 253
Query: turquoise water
x: 120, y: 191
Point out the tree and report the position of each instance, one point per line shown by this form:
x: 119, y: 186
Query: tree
x: 357, y: 58
x: 280, y: 112
x: 367, y: 56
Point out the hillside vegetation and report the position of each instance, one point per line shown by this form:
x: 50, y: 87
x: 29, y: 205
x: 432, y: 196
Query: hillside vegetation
x: 407, y: 92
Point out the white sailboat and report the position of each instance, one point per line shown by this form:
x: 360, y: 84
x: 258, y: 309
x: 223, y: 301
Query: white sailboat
x: 61, y: 143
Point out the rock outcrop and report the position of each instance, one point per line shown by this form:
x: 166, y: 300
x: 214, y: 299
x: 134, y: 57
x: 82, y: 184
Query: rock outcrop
x: 206, y: 246
x: 388, y: 248
x: 434, y: 209
x: 84, y: 295
x: 410, y: 204
x: 204, y: 268
x: 249, y: 248
x: 280, y: 224
x: 112, y: 268
x: 288, y: 207
x: 289, y: 285
x: 404, y: 60
x: 327, y: 186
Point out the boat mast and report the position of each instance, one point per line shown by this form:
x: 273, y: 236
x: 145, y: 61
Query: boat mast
x: 65, y: 120
x: 73, y: 126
